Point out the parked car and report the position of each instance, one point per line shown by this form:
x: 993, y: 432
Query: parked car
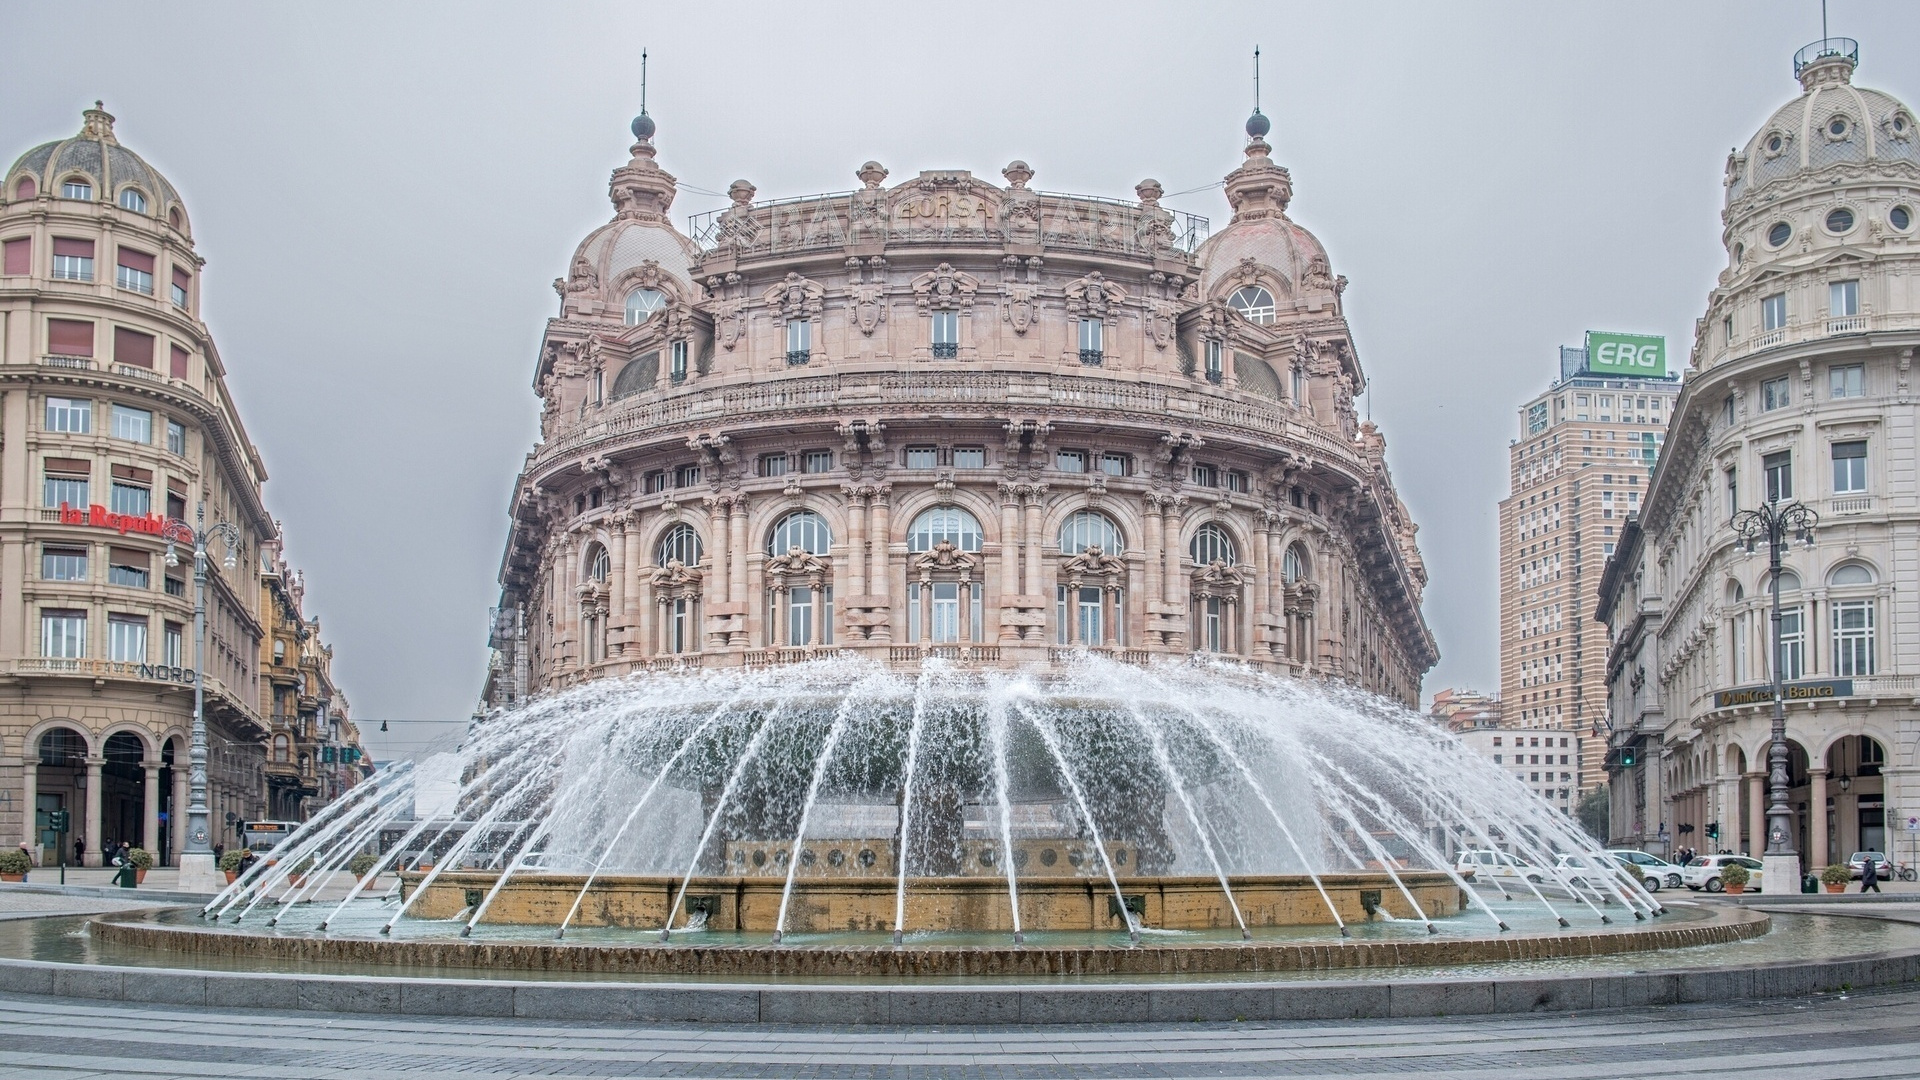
x: 1884, y: 870
x: 1482, y: 865
x: 1652, y: 867
x: 1704, y: 872
x: 1578, y: 871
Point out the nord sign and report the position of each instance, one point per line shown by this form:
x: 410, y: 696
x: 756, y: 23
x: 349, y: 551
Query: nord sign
x: 1626, y: 354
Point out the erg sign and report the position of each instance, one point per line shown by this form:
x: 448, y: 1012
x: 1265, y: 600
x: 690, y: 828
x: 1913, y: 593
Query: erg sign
x: 1640, y: 355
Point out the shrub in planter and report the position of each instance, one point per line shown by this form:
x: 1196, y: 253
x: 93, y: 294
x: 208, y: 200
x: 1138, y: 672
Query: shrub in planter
x: 360, y: 865
x: 14, y: 864
x: 301, y: 869
x: 142, y: 861
x: 1735, y: 877
x: 1836, y: 876
x: 230, y: 863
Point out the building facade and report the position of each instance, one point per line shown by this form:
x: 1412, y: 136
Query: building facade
x: 114, y: 419
x: 313, y: 747
x: 1577, y: 471
x: 958, y: 419
x: 1800, y: 391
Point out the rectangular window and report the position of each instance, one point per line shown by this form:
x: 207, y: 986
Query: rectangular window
x: 132, y: 348
x: 131, y: 499
x: 135, y: 271
x: 1298, y: 393
x: 678, y: 369
x: 773, y: 464
x: 946, y: 335
x: 686, y: 476
x: 1205, y: 476
x: 1847, y: 381
x: 1733, y: 491
x: 176, y: 586
x: 63, y: 563
x: 70, y: 337
x: 130, y: 567
x: 1843, y: 299
x: 127, y: 638
x: 1726, y: 411
x: 18, y: 258
x: 176, y: 500
x: 1849, y: 468
x: 181, y: 279
x: 1237, y: 481
x: 171, y: 641
x: 1776, y: 394
x: 1115, y: 464
x: 71, y: 415
x: 1793, y: 643
x: 818, y: 461
x: 177, y: 362
x: 799, y: 341
x: 656, y: 482
x: 63, y: 634
x: 969, y: 457
x: 1773, y: 312
x: 133, y: 425
x: 177, y: 438
x: 1073, y: 461
x: 72, y: 260
x: 1852, y: 638
x: 1215, y: 367
x: 1779, y: 470
x: 65, y: 489
x: 1092, y: 341
x: 1726, y: 330
x: 923, y: 457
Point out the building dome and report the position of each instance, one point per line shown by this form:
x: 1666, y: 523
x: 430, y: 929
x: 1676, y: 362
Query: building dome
x: 110, y: 170
x: 1831, y: 123
x: 1263, y: 246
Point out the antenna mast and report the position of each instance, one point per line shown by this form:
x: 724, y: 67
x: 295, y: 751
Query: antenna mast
x: 1256, y: 69
x: 643, y: 82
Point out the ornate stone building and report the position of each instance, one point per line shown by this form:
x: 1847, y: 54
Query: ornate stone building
x: 313, y: 748
x: 114, y: 418
x: 954, y: 418
x: 1801, y: 389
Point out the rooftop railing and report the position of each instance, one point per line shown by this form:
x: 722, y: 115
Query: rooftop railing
x: 1833, y: 47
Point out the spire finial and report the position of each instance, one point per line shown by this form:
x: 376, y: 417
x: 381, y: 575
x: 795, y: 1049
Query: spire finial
x: 643, y: 127
x: 1257, y: 125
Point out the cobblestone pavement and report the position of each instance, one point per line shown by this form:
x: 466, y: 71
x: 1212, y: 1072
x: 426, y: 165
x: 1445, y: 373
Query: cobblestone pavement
x: 1861, y: 1035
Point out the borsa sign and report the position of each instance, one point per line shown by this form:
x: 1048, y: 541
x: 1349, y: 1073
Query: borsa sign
x: 100, y: 517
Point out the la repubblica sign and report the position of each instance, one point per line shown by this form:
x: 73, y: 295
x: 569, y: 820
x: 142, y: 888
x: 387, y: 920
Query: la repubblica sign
x: 1819, y: 690
x: 99, y: 517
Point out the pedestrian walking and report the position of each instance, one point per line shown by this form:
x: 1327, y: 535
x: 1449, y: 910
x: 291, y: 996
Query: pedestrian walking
x: 124, y: 857
x: 79, y: 849
x: 1870, y: 875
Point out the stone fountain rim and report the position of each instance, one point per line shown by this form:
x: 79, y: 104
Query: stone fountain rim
x: 882, y: 962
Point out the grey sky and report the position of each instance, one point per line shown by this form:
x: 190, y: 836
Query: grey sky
x: 384, y: 192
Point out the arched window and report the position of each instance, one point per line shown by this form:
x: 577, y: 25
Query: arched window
x: 599, y: 563
x: 1300, y: 595
x: 681, y: 545
x: 944, y: 592
x: 1293, y: 565
x: 132, y: 199
x: 1211, y: 545
x: 1089, y: 528
x: 1851, y: 574
x: 26, y: 188
x: 801, y: 529
x: 642, y: 303
x: 281, y: 748
x: 76, y: 188
x: 948, y: 523
x: 799, y: 589
x: 1254, y: 302
x: 1789, y: 581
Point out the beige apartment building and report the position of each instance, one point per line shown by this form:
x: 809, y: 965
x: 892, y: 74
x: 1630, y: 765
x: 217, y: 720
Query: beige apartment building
x: 1577, y: 471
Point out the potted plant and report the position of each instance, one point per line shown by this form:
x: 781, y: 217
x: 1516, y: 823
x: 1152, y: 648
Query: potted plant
x: 14, y: 864
x: 361, y: 865
x: 1734, y: 878
x: 1836, y: 876
x: 300, y: 871
x: 230, y: 863
x: 142, y: 861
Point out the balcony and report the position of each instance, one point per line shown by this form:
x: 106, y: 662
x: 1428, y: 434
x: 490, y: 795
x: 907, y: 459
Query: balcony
x: 1093, y: 357
x: 72, y: 363
x: 913, y: 654
x: 1847, y: 324
x: 1850, y: 504
x: 139, y: 373
x: 799, y: 357
x: 1771, y: 338
x: 945, y: 350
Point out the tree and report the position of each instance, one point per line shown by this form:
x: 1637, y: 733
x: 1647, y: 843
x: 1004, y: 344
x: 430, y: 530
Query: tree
x: 1595, y: 813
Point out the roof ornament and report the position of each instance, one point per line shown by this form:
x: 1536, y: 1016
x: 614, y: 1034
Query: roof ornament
x: 98, y: 124
x: 1257, y: 125
x: 643, y: 127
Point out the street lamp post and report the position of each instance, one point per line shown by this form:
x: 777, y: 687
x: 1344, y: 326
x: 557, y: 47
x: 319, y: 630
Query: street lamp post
x: 197, y: 870
x: 1772, y: 524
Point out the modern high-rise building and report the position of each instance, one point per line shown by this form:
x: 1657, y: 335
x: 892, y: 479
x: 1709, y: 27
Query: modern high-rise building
x: 1577, y: 470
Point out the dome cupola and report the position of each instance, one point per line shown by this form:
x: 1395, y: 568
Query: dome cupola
x: 92, y: 166
x: 1832, y: 124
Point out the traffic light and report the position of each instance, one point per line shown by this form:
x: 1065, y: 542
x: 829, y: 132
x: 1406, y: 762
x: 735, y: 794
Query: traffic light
x: 1713, y: 830
x: 57, y: 820
x: 1628, y: 757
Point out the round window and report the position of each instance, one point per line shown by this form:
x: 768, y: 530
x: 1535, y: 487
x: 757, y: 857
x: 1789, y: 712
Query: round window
x: 1840, y: 221
x: 1773, y: 144
x: 1837, y: 127
x: 1900, y: 218
x: 1779, y: 234
x: 1899, y: 125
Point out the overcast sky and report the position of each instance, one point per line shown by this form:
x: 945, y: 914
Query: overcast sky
x: 384, y: 192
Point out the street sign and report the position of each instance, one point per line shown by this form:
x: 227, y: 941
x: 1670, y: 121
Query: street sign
x: 1640, y: 355
x: 1913, y: 823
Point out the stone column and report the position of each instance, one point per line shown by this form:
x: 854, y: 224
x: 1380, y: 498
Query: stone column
x: 30, y: 795
x: 635, y: 639
x: 1154, y: 560
x: 737, y: 548
x: 93, y: 810
x: 857, y: 554
x: 150, y: 818
x: 570, y: 602
x: 1259, y: 590
x: 1170, y: 547
x: 1756, y: 813
x: 1114, y: 615
x: 177, y: 811
x: 715, y: 585
x: 617, y: 587
x: 882, y: 541
x: 1009, y: 555
x: 1031, y: 542
x: 1816, y: 854
x: 819, y: 613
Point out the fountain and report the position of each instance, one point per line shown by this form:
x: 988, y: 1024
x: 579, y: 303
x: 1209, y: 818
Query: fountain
x: 838, y: 806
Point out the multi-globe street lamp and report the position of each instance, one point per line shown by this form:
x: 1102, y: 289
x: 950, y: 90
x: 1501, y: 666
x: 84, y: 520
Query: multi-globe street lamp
x: 1772, y: 523
x: 197, y: 869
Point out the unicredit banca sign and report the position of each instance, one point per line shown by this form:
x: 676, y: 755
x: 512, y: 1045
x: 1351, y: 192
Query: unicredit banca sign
x: 1638, y: 355
x: 100, y: 517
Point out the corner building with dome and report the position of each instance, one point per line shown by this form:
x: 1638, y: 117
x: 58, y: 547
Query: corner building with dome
x: 957, y: 419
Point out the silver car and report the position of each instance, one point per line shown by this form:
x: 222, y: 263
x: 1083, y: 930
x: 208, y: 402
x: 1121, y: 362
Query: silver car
x: 1651, y: 867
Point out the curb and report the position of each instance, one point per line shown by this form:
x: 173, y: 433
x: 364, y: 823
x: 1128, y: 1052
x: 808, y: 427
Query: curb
x: 109, y: 892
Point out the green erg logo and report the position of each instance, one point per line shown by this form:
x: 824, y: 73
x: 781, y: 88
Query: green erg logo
x: 1626, y: 354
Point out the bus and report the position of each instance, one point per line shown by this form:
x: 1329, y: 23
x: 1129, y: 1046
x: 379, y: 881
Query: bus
x: 264, y: 836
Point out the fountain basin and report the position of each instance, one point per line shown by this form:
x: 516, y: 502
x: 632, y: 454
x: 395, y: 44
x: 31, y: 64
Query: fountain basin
x: 751, y: 904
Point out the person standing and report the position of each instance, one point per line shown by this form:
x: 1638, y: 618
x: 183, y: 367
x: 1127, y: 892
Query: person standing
x: 79, y: 850
x: 1870, y: 875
